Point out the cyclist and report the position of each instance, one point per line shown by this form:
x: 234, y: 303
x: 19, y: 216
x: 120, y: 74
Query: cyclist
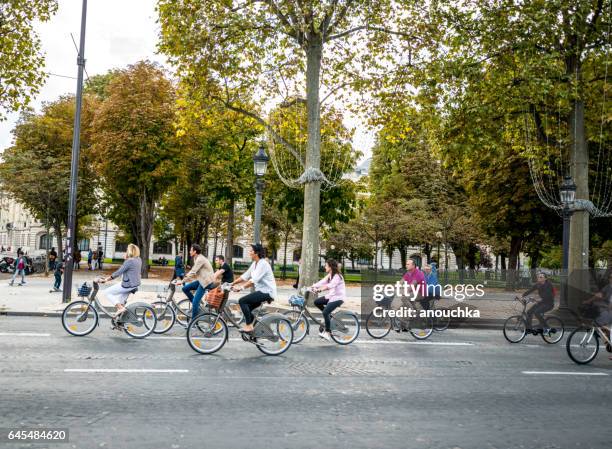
x: 333, y: 283
x: 546, y: 291
x: 604, y: 298
x: 200, y: 279
x: 130, y: 279
x: 224, y: 274
x: 259, y: 275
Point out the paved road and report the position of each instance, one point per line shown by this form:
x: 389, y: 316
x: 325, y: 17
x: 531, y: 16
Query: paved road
x: 460, y: 389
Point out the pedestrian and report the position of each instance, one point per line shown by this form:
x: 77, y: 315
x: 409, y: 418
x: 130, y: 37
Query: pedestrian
x: 200, y: 279
x: 20, y: 265
x: 179, y: 267
x: 77, y: 259
x: 100, y: 256
x: 90, y: 255
x: 57, y: 274
x: 297, y: 281
x: 52, y: 258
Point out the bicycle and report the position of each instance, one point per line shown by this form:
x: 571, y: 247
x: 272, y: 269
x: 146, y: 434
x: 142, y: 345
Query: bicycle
x: 380, y: 323
x: 582, y: 344
x: 344, y: 324
x: 81, y: 317
x: 185, y: 306
x: 515, y: 327
x: 442, y: 322
x: 168, y: 311
x: 208, y: 332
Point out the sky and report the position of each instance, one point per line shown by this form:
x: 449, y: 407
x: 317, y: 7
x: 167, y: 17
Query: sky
x: 119, y: 32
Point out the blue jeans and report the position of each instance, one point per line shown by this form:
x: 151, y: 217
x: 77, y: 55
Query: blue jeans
x: 58, y: 280
x: 199, y: 294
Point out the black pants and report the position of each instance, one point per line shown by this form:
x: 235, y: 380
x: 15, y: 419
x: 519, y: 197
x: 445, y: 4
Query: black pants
x: 250, y: 302
x: 538, y: 310
x: 327, y: 308
x: 426, y: 302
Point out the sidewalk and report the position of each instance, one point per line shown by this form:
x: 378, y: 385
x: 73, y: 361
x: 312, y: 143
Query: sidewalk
x: 35, y: 298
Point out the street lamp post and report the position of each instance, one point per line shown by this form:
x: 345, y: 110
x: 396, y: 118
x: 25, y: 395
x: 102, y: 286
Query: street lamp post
x: 567, y: 194
x: 260, y: 166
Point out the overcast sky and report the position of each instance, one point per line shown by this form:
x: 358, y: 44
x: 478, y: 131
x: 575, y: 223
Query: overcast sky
x: 119, y: 32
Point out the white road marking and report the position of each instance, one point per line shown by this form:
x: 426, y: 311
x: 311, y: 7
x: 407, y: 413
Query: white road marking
x: 565, y: 373
x: 121, y: 370
x: 397, y: 342
x: 22, y: 334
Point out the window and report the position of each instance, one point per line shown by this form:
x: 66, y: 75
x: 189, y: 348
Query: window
x: 45, y: 241
x: 238, y: 252
x: 83, y: 245
x: 120, y: 247
x: 162, y: 248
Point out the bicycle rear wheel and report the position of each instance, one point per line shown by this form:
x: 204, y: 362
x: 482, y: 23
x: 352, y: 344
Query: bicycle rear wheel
x: 274, y: 334
x: 553, y: 330
x: 515, y: 329
x: 582, y: 345
x: 344, y: 327
x: 183, y: 312
x: 300, y: 324
x: 207, y: 333
x: 166, y: 317
x: 442, y: 320
x: 79, y: 318
x: 145, y: 322
x: 378, y: 326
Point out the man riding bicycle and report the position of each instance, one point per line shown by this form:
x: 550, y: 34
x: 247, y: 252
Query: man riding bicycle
x: 261, y: 276
x: 546, y: 291
x: 604, y: 302
x: 200, y: 279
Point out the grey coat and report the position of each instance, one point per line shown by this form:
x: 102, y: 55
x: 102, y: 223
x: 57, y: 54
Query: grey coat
x: 130, y: 271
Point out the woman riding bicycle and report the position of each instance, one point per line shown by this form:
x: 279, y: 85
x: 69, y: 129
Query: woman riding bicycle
x: 261, y: 276
x: 130, y: 279
x: 333, y: 283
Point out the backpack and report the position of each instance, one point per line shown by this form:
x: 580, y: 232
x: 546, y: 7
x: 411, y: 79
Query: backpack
x: 20, y: 265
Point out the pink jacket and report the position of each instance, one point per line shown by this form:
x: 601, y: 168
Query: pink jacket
x: 336, y: 289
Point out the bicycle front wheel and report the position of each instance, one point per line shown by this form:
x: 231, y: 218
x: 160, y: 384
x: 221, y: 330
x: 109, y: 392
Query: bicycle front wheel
x: 344, y: 328
x: 378, y: 326
x: 421, y: 327
x: 79, y: 318
x: 166, y: 317
x: 274, y: 334
x: 207, y: 333
x: 300, y: 325
x: 582, y: 345
x: 553, y: 330
x: 144, y: 323
x: 515, y: 329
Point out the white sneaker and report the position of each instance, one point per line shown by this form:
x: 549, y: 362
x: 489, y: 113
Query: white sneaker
x: 325, y: 336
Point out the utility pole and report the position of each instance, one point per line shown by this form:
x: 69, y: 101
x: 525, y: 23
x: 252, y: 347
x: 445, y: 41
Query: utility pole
x: 74, y: 168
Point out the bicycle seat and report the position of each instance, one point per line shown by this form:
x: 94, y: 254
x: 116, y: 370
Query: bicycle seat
x: 134, y: 290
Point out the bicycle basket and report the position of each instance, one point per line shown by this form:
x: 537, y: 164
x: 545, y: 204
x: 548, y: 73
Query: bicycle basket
x: 589, y: 311
x: 215, y: 297
x: 385, y: 302
x: 84, y: 290
x: 296, y: 300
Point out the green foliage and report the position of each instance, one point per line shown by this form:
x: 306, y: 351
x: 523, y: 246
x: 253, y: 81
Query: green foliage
x: 21, y: 61
x: 36, y: 169
x: 136, y: 148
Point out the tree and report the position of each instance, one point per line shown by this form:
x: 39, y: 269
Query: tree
x: 136, y: 149
x: 21, y: 61
x: 287, y: 50
x: 36, y: 169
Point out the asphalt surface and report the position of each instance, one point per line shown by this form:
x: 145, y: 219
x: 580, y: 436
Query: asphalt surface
x: 459, y: 389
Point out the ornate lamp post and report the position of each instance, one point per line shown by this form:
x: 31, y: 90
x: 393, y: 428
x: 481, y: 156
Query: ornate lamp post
x: 567, y: 194
x: 260, y: 166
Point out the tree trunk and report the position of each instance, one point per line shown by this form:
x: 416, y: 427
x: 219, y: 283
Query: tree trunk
x: 144, y: 227
x: 515, y: 250
x: 285, y: 256
x: 403, y: 256
x: 312, y: 189
x: 206, y: 229
x: 215, y: 241
x: 231, y: 217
